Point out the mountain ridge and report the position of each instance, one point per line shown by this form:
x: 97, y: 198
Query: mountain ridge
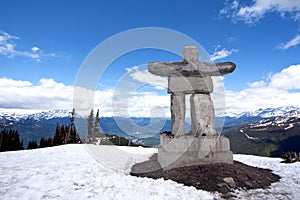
x: 247, y: 125
x: 16, y: 114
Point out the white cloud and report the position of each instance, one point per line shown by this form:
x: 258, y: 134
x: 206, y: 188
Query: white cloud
x: 48, y: 94
x: 23, y: 94
x: 5, y: 82
x: 35, y: 49
x: 221, y: 53
x: 281, y: 89
x: 144, y: 76
x: 293, y: 42
x: 287, y: 79
x: 8, y: 48
x: 253, y: 13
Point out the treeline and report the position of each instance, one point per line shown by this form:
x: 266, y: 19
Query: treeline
x: 10, y: 140
x: 93, y: 128
x: 96, y: 136
x: 63, y: 135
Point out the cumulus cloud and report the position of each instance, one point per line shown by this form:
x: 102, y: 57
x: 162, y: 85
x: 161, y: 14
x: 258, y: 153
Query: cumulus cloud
x: 293, y: 42
x: 49, y: 94
x: 144, y: 76
x: 253, y: 13
x: 280, y: 89
x: 287, y: 79
x: 8, y: 48
x: 35, y: 49
x: 221, y: 53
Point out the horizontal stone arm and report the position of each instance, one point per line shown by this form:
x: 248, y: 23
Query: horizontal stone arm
x: 190, y: 68
x: 225, y: 68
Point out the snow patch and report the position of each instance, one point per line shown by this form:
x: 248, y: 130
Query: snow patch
x: 70, y: 172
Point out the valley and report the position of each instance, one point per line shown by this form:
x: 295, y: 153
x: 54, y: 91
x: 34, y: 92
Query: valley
x: 265, y: 132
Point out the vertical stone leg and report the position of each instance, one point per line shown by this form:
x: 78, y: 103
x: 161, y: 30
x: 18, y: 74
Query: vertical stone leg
x: 203, y: 115
x: 178, y: 114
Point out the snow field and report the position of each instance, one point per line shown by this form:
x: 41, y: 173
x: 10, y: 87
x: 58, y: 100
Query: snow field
x: 287, y: 188
x: 70, y: 172
x: 80, y: 171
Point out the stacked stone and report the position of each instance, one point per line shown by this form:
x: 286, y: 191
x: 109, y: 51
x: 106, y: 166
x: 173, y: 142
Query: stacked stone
x: 192, y: 77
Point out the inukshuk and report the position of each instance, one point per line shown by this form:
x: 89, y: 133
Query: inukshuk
x: 202, y: 145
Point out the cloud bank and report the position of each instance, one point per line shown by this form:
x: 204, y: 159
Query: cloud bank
x: 279, y: 89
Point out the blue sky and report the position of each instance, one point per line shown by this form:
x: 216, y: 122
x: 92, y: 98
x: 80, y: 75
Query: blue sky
x: 43, y: 44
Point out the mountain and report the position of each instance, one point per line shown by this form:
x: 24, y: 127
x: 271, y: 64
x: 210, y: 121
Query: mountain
x: 269, y: 112
x: 272, y: 126
x: 275, y: 130
x: 233, y: 119
x: 33, y: 126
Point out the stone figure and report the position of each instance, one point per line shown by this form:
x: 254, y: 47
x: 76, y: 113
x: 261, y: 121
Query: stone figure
x: 191, y: 77
x: 203, y: 145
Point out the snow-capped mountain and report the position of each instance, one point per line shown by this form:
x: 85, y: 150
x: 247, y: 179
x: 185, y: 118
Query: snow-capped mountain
x: 271, y: 112
x: 36, y: 124
x: 18, y: 114
x: 59, y: 113
x: 285, y: 121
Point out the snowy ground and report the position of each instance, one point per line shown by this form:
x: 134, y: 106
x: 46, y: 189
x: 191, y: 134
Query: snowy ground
x: 287, y: 188
x: 101, y: 172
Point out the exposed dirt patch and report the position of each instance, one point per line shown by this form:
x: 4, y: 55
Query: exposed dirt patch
x: 222, y: 178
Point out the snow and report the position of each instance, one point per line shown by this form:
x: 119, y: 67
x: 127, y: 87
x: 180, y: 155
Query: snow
x: 102, y: 172
x: 270, y: 112
x: 287, y: 188
x: 17, y: 114
x: 72, y: 172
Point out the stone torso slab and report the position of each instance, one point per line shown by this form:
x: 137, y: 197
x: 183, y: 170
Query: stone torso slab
x: 189, y: 85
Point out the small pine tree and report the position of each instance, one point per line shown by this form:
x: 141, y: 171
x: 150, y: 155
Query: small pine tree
x: 97, y: 124
x: 57, y: 135
x: 90, y: 123
x: 69, y: 132
x: 45, y: 142
x: 32, y: 145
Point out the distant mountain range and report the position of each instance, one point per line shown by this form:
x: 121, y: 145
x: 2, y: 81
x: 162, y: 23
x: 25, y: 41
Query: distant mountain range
x: 266, y: 132
x: 252, y: 129
x: 264, y: 113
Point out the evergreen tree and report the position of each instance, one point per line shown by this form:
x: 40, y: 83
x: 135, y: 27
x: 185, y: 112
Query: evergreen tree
x: 90, y: 123
x: 63, y: 133
x: 97, y: 124
x: 32, y: 145
x: 57, y: 136
x: 74, y: 137
x: 10, y: 140
x: 69, y: 132
x: 45, y: 142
